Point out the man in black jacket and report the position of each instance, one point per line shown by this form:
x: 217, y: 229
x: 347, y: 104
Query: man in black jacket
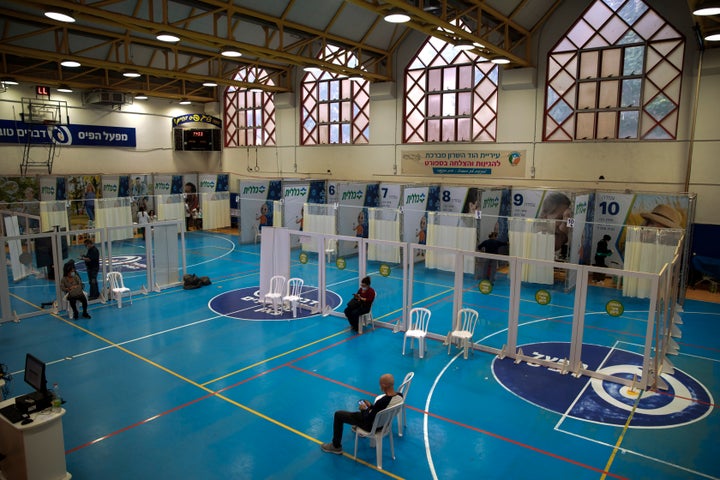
x: 92, y: 264
x: 363, y: 417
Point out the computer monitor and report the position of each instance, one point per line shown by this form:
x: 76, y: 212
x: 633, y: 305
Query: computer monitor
x: 35, y: 373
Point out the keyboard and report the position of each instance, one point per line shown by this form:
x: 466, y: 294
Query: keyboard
x: 12, y: 413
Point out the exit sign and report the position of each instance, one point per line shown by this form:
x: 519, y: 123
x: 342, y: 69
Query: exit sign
x: 42, y: 90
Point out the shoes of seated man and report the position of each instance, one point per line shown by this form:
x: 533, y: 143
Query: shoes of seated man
x: 86, y: 315
x: 330, y: 448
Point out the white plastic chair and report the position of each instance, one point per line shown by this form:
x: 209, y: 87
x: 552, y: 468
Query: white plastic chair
x: 404, y: 389
x: 275, y: 293
x: 365, y: 320
x: 293, y: 296
x: 330, y: 249
x: 465, y: 329
x: 382, y: 427
x: 419, y: 320
x: 117, y: 287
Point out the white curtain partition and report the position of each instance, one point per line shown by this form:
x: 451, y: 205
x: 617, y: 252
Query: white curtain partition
x: 452, y: 230
x: 318, y: 218
x: 170, y: 207
x: 114, y: 212
x: 52, y: 214
x: 12, y: 229
x: 215, y: 210
x: 534, y: 239
x: 647, y: 249
x: 384, y: 224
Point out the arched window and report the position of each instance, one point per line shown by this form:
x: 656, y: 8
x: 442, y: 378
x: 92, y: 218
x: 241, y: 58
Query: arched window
x: 616, y: 74
x: 335, y: 109
x: 450, y: 96
x: 249, y: 113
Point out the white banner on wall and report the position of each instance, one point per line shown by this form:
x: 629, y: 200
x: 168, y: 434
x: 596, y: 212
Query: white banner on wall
x: 207, y: 182
x: 253, y: 208
x: 295, y: 195
x: 110, y: 186
x: 162, y: 184
x: 414, y: 216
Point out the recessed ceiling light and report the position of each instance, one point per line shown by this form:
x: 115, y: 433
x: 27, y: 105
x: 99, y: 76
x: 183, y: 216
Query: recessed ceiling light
x: 209, y: 84
x: 141, y: 97
x: 230, y: 53
x: 70, y: 63
x: 167, y: 37
x: 185, y: 102
x: 397, y: 16
x: 64, y: 89
x: 60, y: 16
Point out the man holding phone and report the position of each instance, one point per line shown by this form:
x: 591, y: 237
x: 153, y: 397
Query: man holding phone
x: 360, y: 304
x: 364, y: 416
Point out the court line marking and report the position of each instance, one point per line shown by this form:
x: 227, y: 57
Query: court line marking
x: 218, y: 394
x: 625, y: 429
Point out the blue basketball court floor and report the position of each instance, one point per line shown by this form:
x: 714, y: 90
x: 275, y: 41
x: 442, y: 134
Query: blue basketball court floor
x: 208, y: 384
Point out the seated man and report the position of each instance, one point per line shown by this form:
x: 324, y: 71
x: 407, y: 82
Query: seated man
x: 364, y: 417
x: 360, y: 304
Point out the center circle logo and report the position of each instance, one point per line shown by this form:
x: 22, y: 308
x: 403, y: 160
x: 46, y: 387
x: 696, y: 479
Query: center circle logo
x: 245, y: 304
x: 593, y: 400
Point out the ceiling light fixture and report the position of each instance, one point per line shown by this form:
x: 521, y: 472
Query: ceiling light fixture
x: 70, y: 63
x: 64, y: 89
x: 500, y: 60
x: 464, y: 45
x: 65, y: 17
x: 707, y: 8
x: 9, y: 81
x: 313, y: 69
x: 356, y: 78
x: 209, y: 84
x: 141, y: 96
x: 397, y: 16
x: 167, y: 37
x: 713, y: 37
x: 131, y: 74
x: 185, y: 101
x: 230, y: 53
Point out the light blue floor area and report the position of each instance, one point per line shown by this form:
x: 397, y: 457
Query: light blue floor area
x: 165, y: 388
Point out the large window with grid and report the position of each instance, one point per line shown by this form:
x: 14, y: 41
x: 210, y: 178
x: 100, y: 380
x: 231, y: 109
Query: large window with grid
x: 335, y: 108
x: 616, y: 74
x: 450, y: 95
x: 249, y: 113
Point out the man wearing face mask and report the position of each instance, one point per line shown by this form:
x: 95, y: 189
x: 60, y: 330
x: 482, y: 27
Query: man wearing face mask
x: 360, y: 303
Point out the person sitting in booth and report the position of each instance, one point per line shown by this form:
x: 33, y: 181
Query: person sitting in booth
x: 360, y: 304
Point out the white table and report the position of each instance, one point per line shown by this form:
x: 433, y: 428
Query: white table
x: 35, y: 451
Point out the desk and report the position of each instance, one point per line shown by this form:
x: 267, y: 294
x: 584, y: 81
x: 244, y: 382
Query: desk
x: 35, y: 451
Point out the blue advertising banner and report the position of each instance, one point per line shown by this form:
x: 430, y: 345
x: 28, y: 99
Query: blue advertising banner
x: 76, y: 135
